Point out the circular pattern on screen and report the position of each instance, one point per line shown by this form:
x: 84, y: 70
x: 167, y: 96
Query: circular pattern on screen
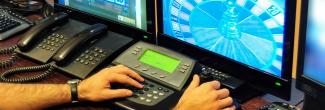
x: 248, y: 31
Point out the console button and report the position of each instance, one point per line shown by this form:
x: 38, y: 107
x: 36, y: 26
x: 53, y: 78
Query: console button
x: 134, y: 53
x: 148, y: 100
x: 137, y: 50
x: 184, y: 67
x: 138, y: 47
x: 162, y: 76
x: 137, y: 66
x: 149, y: 95
x: 145, y: 69
x: 153, y: 73
x: 155, y: 97
x: 161, y: 94
x: 142, y: 98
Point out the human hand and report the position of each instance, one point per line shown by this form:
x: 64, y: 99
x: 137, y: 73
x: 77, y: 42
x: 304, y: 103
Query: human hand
x: 207, y: 96
x: 98, y: 87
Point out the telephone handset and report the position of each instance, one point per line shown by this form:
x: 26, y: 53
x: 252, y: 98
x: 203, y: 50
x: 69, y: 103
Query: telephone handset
x: 80, y: 39
x: 45, y: 39
x: 89, y: 49
x: 36, y: 32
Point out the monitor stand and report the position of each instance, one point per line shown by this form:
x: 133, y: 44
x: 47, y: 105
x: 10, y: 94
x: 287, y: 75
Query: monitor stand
x: 311, y: 103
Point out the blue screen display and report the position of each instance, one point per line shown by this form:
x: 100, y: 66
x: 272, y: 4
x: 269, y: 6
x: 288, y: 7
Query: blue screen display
x: 315, y: 42
x: 248, y: 31
x: 130, y: 12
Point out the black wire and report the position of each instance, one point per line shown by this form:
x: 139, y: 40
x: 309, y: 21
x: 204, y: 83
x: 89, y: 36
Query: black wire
x: 300, y: 102
x: 48, y: 9
x: 8, y: 50
x: 13, y: 58
x: 5, y: 75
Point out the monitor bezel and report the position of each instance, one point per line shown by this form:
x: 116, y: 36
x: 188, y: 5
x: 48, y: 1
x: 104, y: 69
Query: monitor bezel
x: 311, y: 87
x: 258, y: 79
x: 134, y: 32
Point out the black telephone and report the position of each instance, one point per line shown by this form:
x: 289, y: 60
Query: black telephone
x: 42, y: 41
x: 39, y: 30
x: 88, y: 49
x: 31, y: 38
x: 79, y: 55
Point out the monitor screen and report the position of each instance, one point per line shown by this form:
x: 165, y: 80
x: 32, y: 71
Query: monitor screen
x: 314, y: 66
x: 250, y: 32
x: 130, y: 12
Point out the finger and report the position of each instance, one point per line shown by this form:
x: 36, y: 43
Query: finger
x: 119, y: 78
x: 230, y: 108
x: 226, y: 102
x: 127, y: 71
x: 222, y: 93
x: 212, y: 85
x: 195, y: 82
x: 117, y: 93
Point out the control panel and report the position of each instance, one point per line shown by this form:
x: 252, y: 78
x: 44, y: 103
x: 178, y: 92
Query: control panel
x: 159, y: 64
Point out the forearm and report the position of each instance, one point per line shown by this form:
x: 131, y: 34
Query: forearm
x: 33, y: 96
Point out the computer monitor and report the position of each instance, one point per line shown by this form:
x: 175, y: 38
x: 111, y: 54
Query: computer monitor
x: 251, y: 39
x: 118, y: 14
x: 311, y: 60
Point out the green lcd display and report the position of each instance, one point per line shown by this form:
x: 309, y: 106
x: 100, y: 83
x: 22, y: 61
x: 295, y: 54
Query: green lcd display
x: 159, y: 60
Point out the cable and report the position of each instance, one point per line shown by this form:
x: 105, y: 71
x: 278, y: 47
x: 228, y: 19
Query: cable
x: 8, y: 50
x: 299, y: 102
x: 13, y: 58
x: 48, y: 9
x: 49, y: 67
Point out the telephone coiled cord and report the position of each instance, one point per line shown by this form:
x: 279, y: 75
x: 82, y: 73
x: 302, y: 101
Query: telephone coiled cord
x: 13, y: 58
x: 49, y: 67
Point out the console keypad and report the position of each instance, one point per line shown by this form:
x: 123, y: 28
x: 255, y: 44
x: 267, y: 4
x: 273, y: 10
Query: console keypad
x: 151, y: 94
x: 52, y: 42
x: 91, y: 56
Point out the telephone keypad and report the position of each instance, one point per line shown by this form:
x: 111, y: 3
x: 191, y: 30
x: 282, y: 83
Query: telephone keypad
x: 91, y: 56
x: 51, y: 42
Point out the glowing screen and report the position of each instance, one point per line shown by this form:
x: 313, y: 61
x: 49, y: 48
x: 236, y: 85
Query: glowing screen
x: 247, y: 31
x: 130, y: 12
x: 159, y: 60
x: 315, y: 42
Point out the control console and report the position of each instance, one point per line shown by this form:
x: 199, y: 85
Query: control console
x: 159, y: 64
x: 165, y: 73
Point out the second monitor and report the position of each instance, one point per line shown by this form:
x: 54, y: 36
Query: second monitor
x: 130, y: 12
x: 134, y: 18
x: 253, y: 36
